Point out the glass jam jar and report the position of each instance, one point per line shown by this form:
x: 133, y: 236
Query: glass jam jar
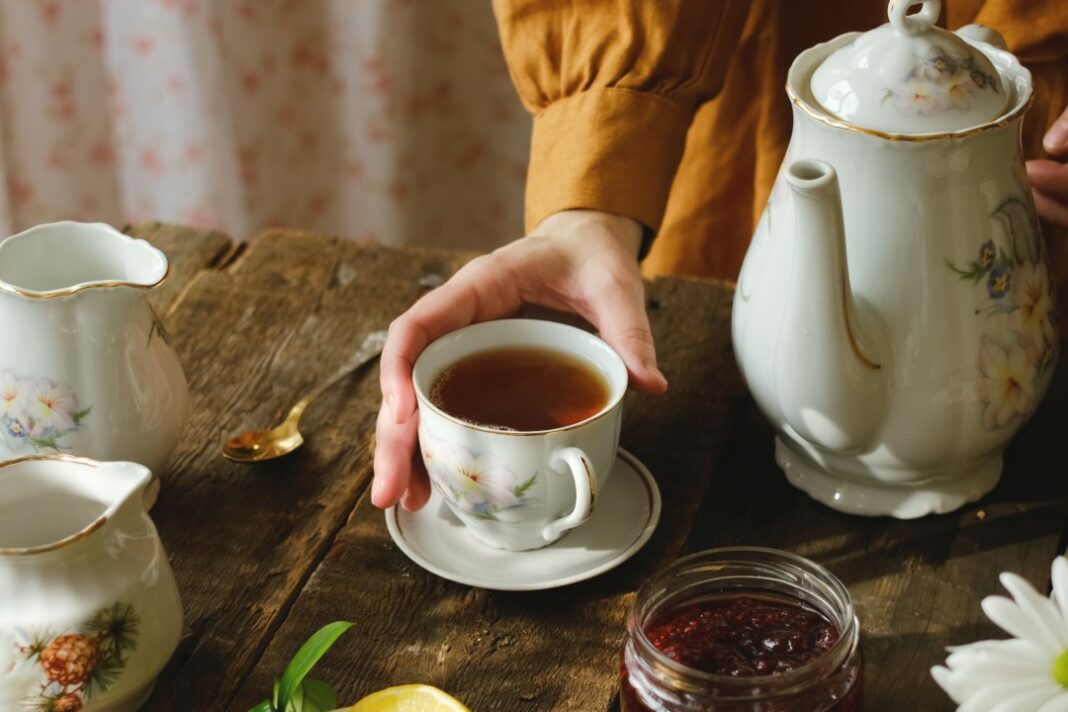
x: 761, y: 630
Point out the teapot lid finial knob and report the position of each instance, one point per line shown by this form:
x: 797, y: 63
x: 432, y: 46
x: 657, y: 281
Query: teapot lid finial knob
x: 910, y: 76
x: 916, y: 24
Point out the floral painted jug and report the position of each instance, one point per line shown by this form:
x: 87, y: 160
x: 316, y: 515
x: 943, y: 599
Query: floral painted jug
x: 85, y: 365
x: 90, y: 612
x: 893, y: 317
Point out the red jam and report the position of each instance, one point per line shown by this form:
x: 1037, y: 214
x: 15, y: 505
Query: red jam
x: 743, y: 635
x: 747, y: 636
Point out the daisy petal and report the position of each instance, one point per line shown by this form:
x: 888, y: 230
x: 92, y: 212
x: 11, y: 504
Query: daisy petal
x: 1016, y: 695
x: 1044, y: 611
x: 1012, y: 649
x: 1017, y: 622
x: 1058, y: 704
x: 946, y: 681
x: 1059, y: 575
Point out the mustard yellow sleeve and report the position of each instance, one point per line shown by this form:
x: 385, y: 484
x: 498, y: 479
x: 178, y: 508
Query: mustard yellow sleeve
x: 1035, y: 30
x: 613, y: 86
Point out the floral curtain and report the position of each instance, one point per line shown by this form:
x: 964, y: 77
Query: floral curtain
x: 388, y: 120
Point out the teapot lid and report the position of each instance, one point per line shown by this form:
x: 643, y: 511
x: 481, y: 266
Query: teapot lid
x: 910, y: 77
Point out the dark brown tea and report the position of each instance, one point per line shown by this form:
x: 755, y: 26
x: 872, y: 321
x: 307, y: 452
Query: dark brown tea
x: 522, y: 388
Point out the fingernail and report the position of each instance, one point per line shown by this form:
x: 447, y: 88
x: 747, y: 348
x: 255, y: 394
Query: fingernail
x: 657, y: 373
x: 1056, y: 139
x: 376, y: 486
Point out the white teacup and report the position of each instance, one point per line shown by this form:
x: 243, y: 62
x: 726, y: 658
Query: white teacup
x: 519, y: 490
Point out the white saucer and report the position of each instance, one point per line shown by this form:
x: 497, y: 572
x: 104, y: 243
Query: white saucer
x: 626, y: 515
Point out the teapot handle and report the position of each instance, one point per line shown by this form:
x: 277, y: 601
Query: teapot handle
x: 916, y: 24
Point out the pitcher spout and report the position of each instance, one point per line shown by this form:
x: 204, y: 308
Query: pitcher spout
x: 91, y: 494
x: 830, y: 378
x: 62, y: 258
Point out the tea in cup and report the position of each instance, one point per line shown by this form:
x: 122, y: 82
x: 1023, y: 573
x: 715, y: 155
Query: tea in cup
x: 519, y: 425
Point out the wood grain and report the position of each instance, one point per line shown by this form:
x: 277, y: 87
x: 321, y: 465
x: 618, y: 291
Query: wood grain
x: 265, y: 555
x: 253, y: 338
x: 189, y: 252
x: 916, y: 584
x: 553, y: 650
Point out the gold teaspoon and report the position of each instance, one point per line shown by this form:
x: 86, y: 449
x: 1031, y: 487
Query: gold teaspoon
x: 261, y: 445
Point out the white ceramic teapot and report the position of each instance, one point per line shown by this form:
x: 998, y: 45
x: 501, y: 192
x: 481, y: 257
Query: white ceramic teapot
x: 893, y: 317
x: 89, y: 611
x: 85, y: 366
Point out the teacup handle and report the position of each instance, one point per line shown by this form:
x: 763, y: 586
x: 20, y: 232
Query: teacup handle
x: 574, y: 459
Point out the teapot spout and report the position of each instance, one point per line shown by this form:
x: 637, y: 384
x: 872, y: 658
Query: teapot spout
x: 829, y: 376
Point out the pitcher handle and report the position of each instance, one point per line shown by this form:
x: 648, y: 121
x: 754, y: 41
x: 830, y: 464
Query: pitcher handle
x: 575, y: 460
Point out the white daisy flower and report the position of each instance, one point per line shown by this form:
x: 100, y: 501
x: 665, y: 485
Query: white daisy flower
x: 1027, y: 673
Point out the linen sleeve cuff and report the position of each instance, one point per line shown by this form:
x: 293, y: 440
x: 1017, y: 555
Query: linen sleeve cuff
x: 608, y: 149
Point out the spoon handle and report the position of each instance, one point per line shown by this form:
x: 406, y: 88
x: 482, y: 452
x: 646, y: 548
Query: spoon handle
x: 368, y: 351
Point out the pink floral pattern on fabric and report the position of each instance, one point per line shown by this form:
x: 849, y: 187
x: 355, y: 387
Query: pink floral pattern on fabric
x: 384, y: 120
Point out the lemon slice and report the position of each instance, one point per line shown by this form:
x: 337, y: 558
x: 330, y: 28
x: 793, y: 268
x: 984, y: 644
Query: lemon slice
x: 409, y: 698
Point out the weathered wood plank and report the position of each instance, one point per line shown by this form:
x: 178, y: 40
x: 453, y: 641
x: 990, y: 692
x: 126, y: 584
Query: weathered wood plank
x: 242, y: 540
x: 554, y: 650
x: 916, y: 584
x: 188, y: 250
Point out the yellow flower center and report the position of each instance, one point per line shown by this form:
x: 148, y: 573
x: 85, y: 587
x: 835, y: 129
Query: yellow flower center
x: 1060, y: 669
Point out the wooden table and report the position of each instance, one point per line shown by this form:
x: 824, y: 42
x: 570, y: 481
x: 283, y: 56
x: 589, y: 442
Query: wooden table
x: 264, y: 555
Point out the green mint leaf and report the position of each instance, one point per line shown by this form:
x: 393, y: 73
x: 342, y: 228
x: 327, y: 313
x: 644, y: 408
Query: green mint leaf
x: 264, y: 706
x: 313, y: 696
x: 306, y: 658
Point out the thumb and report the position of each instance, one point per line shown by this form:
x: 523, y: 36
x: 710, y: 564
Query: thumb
x: 618, y: 312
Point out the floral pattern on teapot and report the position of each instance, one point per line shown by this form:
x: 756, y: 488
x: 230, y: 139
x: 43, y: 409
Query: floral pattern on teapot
x: 480, y: 485
x: 80, y: 663
x: 1019, y: 343
x: 37, y: 413
x: 940, y: 83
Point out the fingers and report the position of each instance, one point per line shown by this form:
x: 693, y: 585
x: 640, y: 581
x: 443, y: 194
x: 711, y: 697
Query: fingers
x: 617, y: 308
x: 395, y: 445
x: 1051, y: 210
x: 1049, y: 179
x: 418, y: 486
x: 1056, y: 139
x: 478, y: 292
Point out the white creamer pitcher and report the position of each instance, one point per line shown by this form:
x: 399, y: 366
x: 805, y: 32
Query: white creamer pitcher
x: 89, y: 610
x: 85, y: 365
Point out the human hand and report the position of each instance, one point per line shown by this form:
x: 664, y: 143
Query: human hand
x: 1049, y: 179
x: 581, y: 261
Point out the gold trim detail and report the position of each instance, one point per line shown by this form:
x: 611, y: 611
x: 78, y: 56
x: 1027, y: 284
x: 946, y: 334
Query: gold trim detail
x: 593, y: 484
x: 67, y: 541
x: 603, y: 413
x: 59, y: 293
x: 849, y: 332
x: 908, y: 138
